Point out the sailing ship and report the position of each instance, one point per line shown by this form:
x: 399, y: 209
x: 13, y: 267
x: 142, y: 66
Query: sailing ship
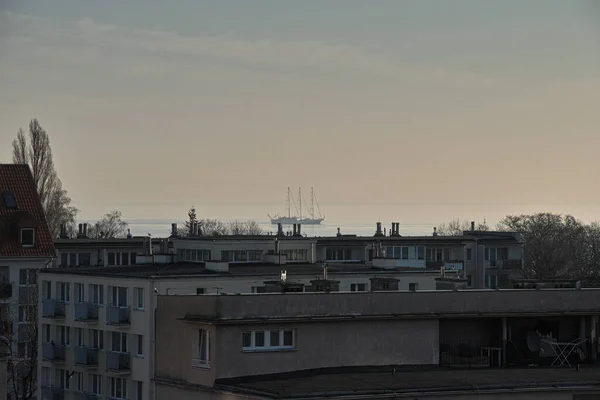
x: 290, y: 219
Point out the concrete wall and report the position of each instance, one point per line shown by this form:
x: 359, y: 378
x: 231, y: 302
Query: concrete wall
x: 421, y: 303
x: 326, y: 344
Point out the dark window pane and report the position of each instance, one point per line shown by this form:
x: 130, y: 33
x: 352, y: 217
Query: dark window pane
x: 247, y: 339
x: 111, y: 258
x: 84, y: 259
x: 125, y: 260
x: 288, y: 338
x: 259, y: 339
x: 274, y: 339
x: 72, y: 259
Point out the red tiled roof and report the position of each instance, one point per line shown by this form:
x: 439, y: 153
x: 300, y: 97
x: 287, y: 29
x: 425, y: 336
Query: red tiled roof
x: 18, y: 181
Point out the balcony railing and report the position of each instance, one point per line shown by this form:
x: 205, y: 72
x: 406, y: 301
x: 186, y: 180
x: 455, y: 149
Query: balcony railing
x: 86, y: 312
x: 86, y: 356
x: 116, y: 315
x: 118, y: 362
x: 53, y: 352
x: 5, y: 291
x: 52, y: 308
x: 52, y: 393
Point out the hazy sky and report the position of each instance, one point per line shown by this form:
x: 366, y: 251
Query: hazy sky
x: 419, y: 111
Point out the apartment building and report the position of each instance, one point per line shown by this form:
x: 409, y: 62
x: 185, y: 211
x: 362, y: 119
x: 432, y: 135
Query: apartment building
x: 96, y: 326
x: 25, y: 247
x: 379, y: 344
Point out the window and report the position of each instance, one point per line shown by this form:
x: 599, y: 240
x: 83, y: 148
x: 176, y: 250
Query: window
x: 27, y: 314
x: 97, y: 294
x: 281, y: 339
x: 9, y: 200
x: 140, y: 345
x: 413, y: 286
x: 84, y: 259
x: 469, y: 254
x: 111, y: 259
x: 27, y: 237
x: 119, y: 342
x: 133, y: 258
x: 139, y: 392
x: 72, y: 259
x: 46, y: 377
x: 27, y: 277
x: 63, y: 379
x: 79, y: 337
x: 77, y: 381
x: 358, y: 287
x: 138, y: 293
x: 200, y: 290
x: 46, y: 289
x: 65, y: 335
x: 118, y: 296
x: 46, y: 333
x: 201, y: 350
x: 97, y: 337
x: 64, y: 259
x: 95, y: 382
x: 79, y: 297
x: 118, y: 388
x: 125, y: 259
x: 64, y: 289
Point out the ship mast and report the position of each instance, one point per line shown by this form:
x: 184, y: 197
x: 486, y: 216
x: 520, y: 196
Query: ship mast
x: 312, y: 202
x: 289, y: 207
x: 300, y: 199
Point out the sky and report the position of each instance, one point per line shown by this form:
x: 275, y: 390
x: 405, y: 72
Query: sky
x: 413, y: 111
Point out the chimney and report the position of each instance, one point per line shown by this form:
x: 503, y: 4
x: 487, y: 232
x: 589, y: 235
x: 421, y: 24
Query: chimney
x: 324, y: 271
x: 472, y: 226
x: 191, y: 231
x: 378, y: 231
x: 398, y: 228
x: 294, y: 228
x: 85, y: 230
x: 129, y: 233
x: 384, y: 232
x: 63, y: 231
x: 339, y: 234
x: 173, y: 229
x: 435, y: 231
x: 80, y: 230
x: 442, y: 272
x: 149, y: 245
x: 279, y: 229
x: 298, y: 231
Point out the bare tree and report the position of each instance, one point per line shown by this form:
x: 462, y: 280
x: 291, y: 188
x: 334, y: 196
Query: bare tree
x: 109, y: 226
x: 214, y: 227
x: 456, y: 227
x: 18, y: 341
x: 37, y: 153
x: 253, y: 228
x: 236, y: 227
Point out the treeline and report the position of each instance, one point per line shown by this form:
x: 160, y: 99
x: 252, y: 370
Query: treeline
x: 214, y: 227
x: 555, y: 245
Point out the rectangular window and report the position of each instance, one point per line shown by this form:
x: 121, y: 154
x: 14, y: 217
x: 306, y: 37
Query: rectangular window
x: 118, y: 296
x: 139, y: 390
x: 79, y: 293
x: 79, y: 337
x: 200, y: 290
x: 65, y: 335
x: 502, y: 253
x: 201, y: 350
x: 140, y: 345
x: 405, y: 253
x: 118, y: 388
x: 358, y: 287
x: 413, y: 286
x: 469, y: 254
x: 27, y: 237
x: 64, y: 291
x: 97, y: 337
x: 64, y: 259
x: 46, y: 377
x: 97, y: 294
x: 63, y: 379
x: 111, y: 259
x: 95, y: 382
x: 139, y: 298
x: 46, y: 289
x: 281, y: 339
x: 421, y: 252
x: 46, y: 333
x: 72, y: 259
x: 77, y: 381
x: 119, y: 342
x: 125, y: 259
x: 84, y: 259
x: 226, y: 255
x: 9, y: 200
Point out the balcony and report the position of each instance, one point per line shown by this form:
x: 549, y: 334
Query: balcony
x: 53, y: 352
x: 86, y: 356
x: 116, y: 315
x: 52, y: 393
x: 52, y: 308
x: 118, y: 362
x: 86, y: 312
x: 5, y: 291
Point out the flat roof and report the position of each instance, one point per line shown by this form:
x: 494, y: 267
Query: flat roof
x: 409, y: 381
x: 191, y: 269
